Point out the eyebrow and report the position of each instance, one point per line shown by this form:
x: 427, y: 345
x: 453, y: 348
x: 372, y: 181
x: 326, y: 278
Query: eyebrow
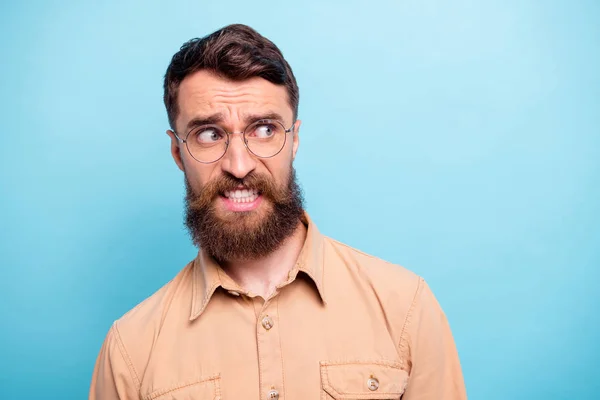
x: 250, y: 118
x: 219, y: 118
x: 201, y: 120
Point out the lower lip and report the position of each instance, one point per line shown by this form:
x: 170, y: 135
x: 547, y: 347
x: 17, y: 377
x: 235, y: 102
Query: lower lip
x: 239, y: 207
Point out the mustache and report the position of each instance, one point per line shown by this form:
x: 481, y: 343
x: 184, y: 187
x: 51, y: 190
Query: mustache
x: 227, y: 182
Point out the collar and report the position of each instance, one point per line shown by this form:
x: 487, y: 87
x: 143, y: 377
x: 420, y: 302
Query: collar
x: 207, y: 274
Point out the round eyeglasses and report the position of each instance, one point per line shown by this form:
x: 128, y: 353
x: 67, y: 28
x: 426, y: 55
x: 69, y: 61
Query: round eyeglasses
x: 264, y: 138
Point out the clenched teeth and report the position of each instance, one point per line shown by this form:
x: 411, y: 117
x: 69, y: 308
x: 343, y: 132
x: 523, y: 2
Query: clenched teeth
x: 242, y: 196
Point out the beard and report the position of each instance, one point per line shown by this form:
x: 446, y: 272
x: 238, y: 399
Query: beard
x: 245, y: 235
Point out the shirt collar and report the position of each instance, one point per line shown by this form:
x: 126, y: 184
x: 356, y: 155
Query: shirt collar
x: 207, y: 275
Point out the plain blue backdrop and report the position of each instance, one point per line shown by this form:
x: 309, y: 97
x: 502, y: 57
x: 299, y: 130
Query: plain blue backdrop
x: 459, y: 139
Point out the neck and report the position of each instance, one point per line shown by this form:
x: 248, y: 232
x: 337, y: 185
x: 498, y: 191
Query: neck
x: 262, y: 276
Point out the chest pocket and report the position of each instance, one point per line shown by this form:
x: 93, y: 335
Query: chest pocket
x: 355, y: 381
x: 208, y: 388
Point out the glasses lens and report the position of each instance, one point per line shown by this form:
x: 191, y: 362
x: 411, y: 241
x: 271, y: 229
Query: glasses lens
x: 265, y: 138
x: 207, y: 143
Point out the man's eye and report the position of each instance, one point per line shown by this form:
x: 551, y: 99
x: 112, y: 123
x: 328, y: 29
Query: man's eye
x: 209, y: 135
x: 264, y: 131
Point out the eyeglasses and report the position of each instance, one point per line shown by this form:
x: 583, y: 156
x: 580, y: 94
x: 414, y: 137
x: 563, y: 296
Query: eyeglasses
x: 264, y: 138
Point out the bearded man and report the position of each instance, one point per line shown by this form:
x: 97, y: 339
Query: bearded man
x: 270, y: 308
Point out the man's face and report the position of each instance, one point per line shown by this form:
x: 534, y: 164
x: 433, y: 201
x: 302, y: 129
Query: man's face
x: 241, y: 206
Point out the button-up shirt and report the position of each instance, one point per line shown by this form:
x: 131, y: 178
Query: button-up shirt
x: 344, y: 325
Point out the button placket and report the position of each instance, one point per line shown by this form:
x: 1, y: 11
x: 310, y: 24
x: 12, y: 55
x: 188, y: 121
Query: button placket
x: 269, y: 351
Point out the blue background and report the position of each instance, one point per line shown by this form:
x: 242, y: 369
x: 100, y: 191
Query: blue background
x: 460, y: 139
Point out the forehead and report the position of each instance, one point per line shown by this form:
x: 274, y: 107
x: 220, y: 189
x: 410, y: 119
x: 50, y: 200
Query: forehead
x: 204, y: 93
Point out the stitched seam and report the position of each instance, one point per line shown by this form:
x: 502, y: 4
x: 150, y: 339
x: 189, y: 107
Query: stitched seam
x: 383, y: 363
x: 403, y: 345
x: 327, y: 387
x: 126, y: 357
x: 280, y: 349
x: 363, y: 395
x: 260, y: 364
x: 322, y: 261
x: 194, y: 290
x: 162, y: 392
x: 355, y: 394
x: 357, y: 250
x: 323, y: 382
x: 209, y: 293
x: 217, y: 387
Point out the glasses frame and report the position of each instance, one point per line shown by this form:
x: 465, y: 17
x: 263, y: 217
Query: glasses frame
x: 229, y: 134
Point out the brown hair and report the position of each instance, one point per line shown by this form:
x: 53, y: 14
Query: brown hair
x: 235, y: 52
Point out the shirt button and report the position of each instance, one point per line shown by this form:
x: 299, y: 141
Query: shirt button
x: 267, y: 323
x: 373, y: 383
x: 273, y: 395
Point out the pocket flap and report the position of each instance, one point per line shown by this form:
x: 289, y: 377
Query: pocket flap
x: 200, y: 388
x: 377, y: 380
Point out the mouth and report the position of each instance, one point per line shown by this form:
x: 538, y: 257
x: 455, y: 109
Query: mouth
x: 239, y: 200
x: 241, y: 195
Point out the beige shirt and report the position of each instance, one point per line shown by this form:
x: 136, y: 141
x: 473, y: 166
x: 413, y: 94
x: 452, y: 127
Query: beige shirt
x: 345, y: 325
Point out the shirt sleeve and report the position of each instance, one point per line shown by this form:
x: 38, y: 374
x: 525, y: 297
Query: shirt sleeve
x: 114, y: 377
x: 428, y: 346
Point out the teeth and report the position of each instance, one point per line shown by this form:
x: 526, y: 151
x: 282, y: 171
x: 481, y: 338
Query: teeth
x: 242, y: 196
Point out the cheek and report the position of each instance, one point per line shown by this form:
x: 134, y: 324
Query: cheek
x: 199, y: 175
x: 279, y: 169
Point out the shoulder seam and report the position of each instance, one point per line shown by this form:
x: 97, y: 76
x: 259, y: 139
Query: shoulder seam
x: 126, y: 357
x: 354, y: 249
x: 403, y: 346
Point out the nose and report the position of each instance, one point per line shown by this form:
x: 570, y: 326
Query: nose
x: 237, y: 160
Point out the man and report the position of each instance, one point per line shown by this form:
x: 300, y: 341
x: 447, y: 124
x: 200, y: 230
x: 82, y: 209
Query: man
x: 270, y: 308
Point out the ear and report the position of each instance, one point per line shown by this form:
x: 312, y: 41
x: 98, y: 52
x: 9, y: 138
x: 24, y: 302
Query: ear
x: 176, y: 149
x: 296, y: 138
